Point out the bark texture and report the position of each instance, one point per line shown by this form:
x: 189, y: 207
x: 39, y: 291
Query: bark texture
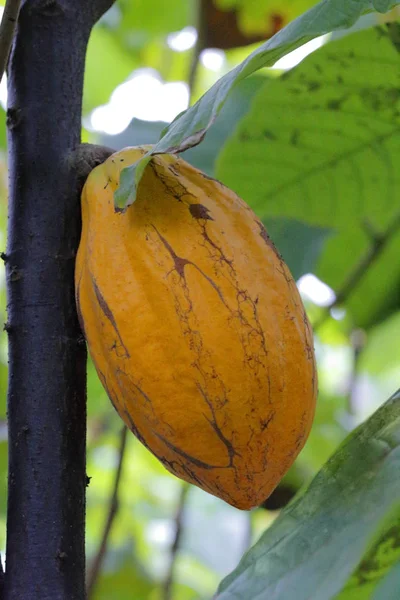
x: 45, y: 555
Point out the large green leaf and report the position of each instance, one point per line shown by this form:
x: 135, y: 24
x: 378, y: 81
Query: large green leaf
x: 204, y: 155
x: 318, y: 541
x: 325, y: 152
x: 189, y: 128
x: 389, y: 587
x: 383, y: 553
x: 321, y: 143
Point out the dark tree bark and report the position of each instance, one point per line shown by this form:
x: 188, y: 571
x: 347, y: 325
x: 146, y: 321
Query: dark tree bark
x: 45, y: 556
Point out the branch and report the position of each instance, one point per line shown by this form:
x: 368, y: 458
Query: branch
x: 169, y: 579
x: 7, y: 28
x: 112, y: 511
x: 99, y: 7
x: 248, y: 534
x: 85, y: 158
x: 357, y: 339
x: 45, y: 553
x: 281, y: 496
x: 378, y: 244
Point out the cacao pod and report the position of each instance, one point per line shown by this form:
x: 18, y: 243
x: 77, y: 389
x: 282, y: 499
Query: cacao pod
x: 196, y: 327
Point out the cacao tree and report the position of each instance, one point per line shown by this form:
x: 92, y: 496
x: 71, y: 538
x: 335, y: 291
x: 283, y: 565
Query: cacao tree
x: 46, y: 392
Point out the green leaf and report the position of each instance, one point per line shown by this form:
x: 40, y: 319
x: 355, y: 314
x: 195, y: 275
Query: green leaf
x: 389, y: 587
x: 321, y: 142
x: 189, y: 128
x: 381, y: 556
x: 237, y: 105
x: 325, y: 152
x: 125, y: 195
x: 318, y: 541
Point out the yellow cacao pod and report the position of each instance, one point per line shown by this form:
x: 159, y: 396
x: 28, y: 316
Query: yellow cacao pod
x: 196, y: 327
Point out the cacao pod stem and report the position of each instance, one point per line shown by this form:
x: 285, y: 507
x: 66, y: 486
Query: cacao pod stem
x: 85, y: 158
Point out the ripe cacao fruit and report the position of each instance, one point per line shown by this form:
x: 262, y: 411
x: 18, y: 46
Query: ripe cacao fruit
x: 196, y: 327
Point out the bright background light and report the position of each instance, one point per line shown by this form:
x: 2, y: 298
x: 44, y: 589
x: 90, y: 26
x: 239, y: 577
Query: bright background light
x: 338, y: 313
x: 294, y: 58
x: 316, y: 290
x: 143, y: 96
x: 182, y: 40
x: 3, y: 92
x: 146, y: 97
x: 212, y: 59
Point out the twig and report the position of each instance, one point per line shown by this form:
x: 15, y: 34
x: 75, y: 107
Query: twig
x: 198, y: 47
x: 85, y: 158
x: 169, y: 579
x: 357, y: 339
x: 112, y: 511
x: 248, y: 534
x: 378, y: 244
x: 7, y: 28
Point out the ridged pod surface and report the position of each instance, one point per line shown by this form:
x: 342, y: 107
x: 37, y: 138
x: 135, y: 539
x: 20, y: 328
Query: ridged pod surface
x: 196, y: 327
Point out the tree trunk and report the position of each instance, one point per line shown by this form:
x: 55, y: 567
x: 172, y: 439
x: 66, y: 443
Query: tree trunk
x: 45, y: 555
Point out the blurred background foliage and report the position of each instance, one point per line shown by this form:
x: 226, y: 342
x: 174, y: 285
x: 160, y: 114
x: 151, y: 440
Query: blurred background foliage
x: 327, y: 214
